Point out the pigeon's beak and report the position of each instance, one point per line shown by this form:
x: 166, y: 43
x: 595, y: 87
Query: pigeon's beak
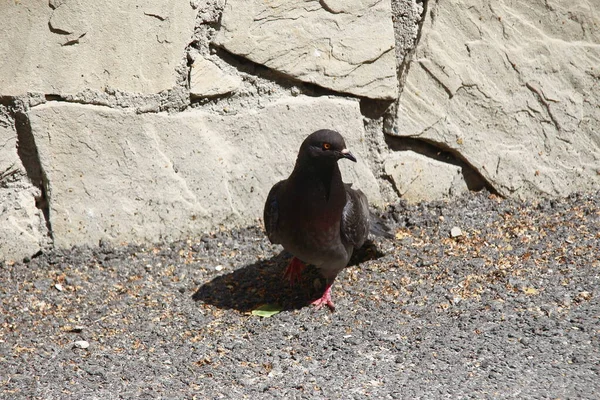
x: 346, y: 154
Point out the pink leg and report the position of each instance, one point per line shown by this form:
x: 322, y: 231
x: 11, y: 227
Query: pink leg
x: 325, y: 299
x: 294, y: 271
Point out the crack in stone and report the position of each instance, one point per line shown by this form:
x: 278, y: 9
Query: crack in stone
x: 9, y: 172
x: 57, y: 31
x: 74, y: 41
x: 28, y: 154
x: 327, y: 8
x: 499, y: 19
x: 360, y: 65
x: 512, y: 64
x: 438, y: 80
x: 271, y: 18
x: 158, y: 17
x: 541, y: 98
x: 464, y: 86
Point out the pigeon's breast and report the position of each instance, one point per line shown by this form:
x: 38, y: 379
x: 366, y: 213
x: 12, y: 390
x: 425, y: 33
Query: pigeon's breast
x: 317, y: 242
x: 310, y: 218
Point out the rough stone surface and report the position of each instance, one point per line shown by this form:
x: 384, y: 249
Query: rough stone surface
x: 406, y: 15
x: 346, y: 46
x: 175, y: 175
x: 68, y: 46
x: 207, y: 79
x: 417, y: 177
x: 22, y: 226
x: 513, y: 88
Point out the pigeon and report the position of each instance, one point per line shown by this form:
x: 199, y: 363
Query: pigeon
x: 315, y: 216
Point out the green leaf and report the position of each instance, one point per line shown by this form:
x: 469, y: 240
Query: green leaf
x: 267, y: 310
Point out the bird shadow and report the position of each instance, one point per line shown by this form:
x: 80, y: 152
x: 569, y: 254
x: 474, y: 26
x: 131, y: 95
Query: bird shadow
x: 262, y: 282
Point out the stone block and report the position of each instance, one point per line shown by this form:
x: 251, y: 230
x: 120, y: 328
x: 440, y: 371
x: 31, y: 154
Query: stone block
x: 420, y: 178
x: 345, y: 46
x: 64, y: 47
x: 120, y: 176
x: 207, y: 79
x: 513, y: 89
x: 22, y: 225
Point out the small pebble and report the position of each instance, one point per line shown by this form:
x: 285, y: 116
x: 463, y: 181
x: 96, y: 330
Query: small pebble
x: 218, y: 268
x: 81, y: 344
x: 59, y: 287
x: 455, y: 232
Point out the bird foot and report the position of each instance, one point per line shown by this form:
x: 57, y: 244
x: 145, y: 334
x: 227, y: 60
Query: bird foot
x: 294, y: 270
x: 324, y: 300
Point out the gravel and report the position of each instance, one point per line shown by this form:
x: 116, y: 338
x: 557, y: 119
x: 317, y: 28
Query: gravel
x: 507, y: 309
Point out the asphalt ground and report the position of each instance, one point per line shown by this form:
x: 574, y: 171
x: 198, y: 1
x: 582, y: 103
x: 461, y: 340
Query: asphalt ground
x: 506, y: 308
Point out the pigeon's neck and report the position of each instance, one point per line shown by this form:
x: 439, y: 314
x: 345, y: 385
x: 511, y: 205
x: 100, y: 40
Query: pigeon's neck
x: 326, y: 175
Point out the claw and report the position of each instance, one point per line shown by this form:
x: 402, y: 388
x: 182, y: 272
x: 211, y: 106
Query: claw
x: 325, y: 300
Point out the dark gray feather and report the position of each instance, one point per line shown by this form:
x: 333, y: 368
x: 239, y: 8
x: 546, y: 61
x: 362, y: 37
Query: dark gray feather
x: 271, y: 213
x: 355, y: 217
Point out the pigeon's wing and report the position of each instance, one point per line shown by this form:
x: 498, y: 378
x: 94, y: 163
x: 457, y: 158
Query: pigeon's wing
x: 355, y: 217
x: 271, y: 213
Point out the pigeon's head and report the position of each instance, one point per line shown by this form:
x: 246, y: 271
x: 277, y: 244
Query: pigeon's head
x: 325, y: 145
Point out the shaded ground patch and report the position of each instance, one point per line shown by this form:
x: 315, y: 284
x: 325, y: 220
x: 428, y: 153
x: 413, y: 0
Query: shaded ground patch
x: 262, y: 282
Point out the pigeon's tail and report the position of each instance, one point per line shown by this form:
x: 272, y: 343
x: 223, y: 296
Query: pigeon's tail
x: 380, y: 228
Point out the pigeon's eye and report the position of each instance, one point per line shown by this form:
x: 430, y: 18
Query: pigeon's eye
x: 326, y: 146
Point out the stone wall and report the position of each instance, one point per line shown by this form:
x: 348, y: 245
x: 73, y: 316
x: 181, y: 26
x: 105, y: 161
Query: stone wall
x: 127, y: 121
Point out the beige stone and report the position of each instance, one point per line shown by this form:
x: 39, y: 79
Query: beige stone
x: 121, y: 176
x: 22, y: 226
x: 513, y: 88
x: 207, y: 79
x: 346, y: 46
x: 418, y: 178
x: 73, y: 45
